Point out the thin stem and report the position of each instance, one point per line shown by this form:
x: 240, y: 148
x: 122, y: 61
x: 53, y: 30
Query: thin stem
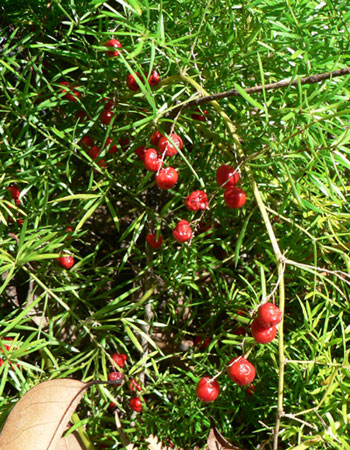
x: 279, y: 257
x: 207, y: 98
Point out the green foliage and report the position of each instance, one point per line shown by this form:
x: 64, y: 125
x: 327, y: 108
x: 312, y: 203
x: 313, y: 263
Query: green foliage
x: 122, y: 297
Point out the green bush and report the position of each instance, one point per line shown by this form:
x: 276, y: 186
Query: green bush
x: 291, y: 148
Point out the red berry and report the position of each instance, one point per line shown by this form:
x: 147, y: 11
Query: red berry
x: 164, y: 144
x: 235, y: 197
x: 87, y: 141
x: 134, y: 385
x: 226, y: 176
x: 155, y: 137
x: 269, y: 314
x: 66, y: 261
x: 197, y: 115
x: 208, y: 389
x: 132, y: 83
x: 70, y: 231
x: 196, y: 201
x: 113, y: 44
x: 182, y: 232
x: 112, y: 406
x: 109, y: 103
x: 135, y: 404
x: 241, y: 371
x: 119, y: 359
x: 167, y: 178
x: 154, y: 78
x: 203, y: 345
x: 15, y: 192
x: 106, y: 116
x: 152, y: 161
x: 72, y: 95
x: 94, y: 152
x: 152, y: 241
x: 263, y: 335
x: 239, y: 331
x: 112, y: 148
x: 140, y: 152
x: 118, y: 377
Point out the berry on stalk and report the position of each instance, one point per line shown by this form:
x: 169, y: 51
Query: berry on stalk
x: 208, y: 389
x: 167, y: 178
x: 263, y: 335
x: 170, y: 149
x: 269, y: 314
x: 197, y: 200
x: 235, y: 197
x: 112, y: 45
x: 182, y: 231
x: 152, y: 162
x: 241, y: 371
x: 226, y: 176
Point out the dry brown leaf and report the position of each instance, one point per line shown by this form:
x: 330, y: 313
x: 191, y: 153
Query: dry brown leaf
x: 216, y: 440
x: 70, y: 442
x: 153, y: 443
x: 39, y: 418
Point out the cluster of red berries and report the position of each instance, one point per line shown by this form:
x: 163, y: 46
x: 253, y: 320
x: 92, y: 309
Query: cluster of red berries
x: 240, y: 370
x: 135, y: 402
x: 227, y: 177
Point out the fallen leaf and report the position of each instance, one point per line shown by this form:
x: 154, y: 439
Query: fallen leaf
x: 40, y: 417
x: 216, y: 440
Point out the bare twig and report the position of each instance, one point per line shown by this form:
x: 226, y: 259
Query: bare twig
x: 267, y: 87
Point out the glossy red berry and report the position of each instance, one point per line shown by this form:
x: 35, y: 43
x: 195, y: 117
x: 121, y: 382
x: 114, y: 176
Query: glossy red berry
x: 235, y: 197
x: 117, y: 377
x: 94, y: 152
x: 241, y: 371
x: 106, y: 116
x: 154, y: 78
x: 182, y: 232
x: 140, y: 152
x: 269, y: 314
x: 197, y: 115
x: 263, y: 335
x: 155, y: 137
x: 135, y: 404
x: 167, y: 178
x: 66, y: 261
x: 152, y: 162
x: 197, y: 200
x: 113, y: 44
x: 226, y: 176
x: 87, y: 141
x: 132, y: 83
x: 208, y: 389
x: 165, y: 145
x: 111, y: 148
x: 134, y: 385
x: 152, y: 241
x: 119, y: 359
